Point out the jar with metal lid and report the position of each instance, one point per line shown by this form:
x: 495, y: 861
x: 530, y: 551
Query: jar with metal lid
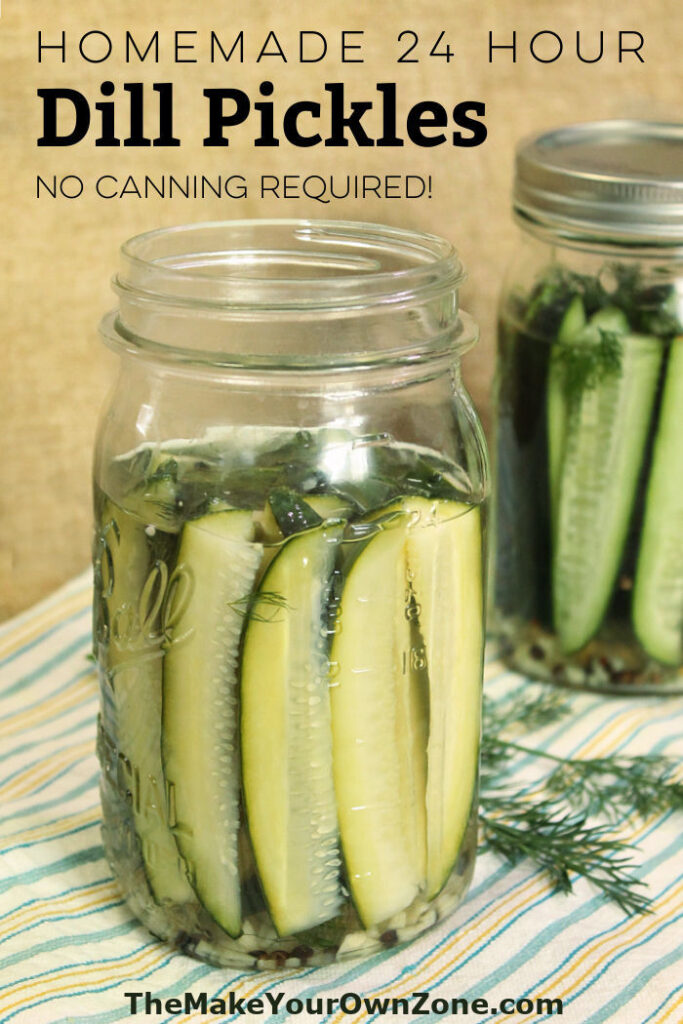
x: 290, y: 483
x: 589, y: 449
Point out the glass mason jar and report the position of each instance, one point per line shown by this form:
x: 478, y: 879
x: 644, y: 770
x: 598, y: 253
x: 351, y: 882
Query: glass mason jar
x: 589, y: 513
x: 290, y: 484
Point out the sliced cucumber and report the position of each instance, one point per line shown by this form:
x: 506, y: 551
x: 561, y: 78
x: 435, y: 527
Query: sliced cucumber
x: 444, y: 543
x: 573, y: 323
x: 658, y: 590
x: 331, y: 506
x: 155, y: 498
x: 137, y: 559
x: 379, y: 722
x: 604, y: 440
x: 285, y: 733
x: 291, y: 511
x: 199, y: 735
x: 286, y: 512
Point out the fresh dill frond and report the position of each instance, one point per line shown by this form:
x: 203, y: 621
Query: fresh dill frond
x: 610, y: 786
x: 548, y: 302
x: 166, y: 470
x: 651, y: 306
x: 584, y: 365
x: 164, y: 511
x: 524, y: 709
x: 562, y: 844
x: 518, y: 713
x: 551, y: 296
x: 251, y: 605
x: 661, y: 312
x: 628, y: 284
x: 613, y: 785
x: 547, y: 820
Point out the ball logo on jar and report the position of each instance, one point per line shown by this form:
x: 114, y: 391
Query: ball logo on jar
x: 149, y: 624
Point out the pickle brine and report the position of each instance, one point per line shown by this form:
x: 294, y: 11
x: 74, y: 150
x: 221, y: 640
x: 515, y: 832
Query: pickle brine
x: 289, y: 629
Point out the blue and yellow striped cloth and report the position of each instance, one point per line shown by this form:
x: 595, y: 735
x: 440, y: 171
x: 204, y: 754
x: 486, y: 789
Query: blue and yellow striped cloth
x: 70, y: 950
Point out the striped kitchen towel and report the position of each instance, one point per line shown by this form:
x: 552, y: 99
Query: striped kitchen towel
x: 71, y: 951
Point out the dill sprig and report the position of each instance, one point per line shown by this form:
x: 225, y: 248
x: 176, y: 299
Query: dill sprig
x: 518, y: 713
x: 251, y: 605
x: 584, y: 366
x: 651, y: 305
x: 525, y: 711
x: 166, y: 470
x: 615, y: 785
x: 610, y: 786
x: 548, y: 822
x: 551, y: 296
x: 562, y: 843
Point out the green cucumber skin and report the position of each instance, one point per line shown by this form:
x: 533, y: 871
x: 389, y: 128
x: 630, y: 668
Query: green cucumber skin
x: 291, y: 511
x: 199, y: 716
x: 331, y: 506
x: 286, y: 738
x: 572, y: 325
x: 658, y: 587
x: 606, y: 432
x: 522, y: 542
x: 136, y: 679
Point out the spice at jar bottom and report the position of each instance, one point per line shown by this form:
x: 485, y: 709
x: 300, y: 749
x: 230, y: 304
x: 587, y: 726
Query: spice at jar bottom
x: 288, y: 617
x: 589, y: 552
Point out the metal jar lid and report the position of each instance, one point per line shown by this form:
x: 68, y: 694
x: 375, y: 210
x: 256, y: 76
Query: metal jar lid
x: 604, y: 180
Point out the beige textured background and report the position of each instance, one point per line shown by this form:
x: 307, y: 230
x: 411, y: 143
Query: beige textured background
x: 57, y: 256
